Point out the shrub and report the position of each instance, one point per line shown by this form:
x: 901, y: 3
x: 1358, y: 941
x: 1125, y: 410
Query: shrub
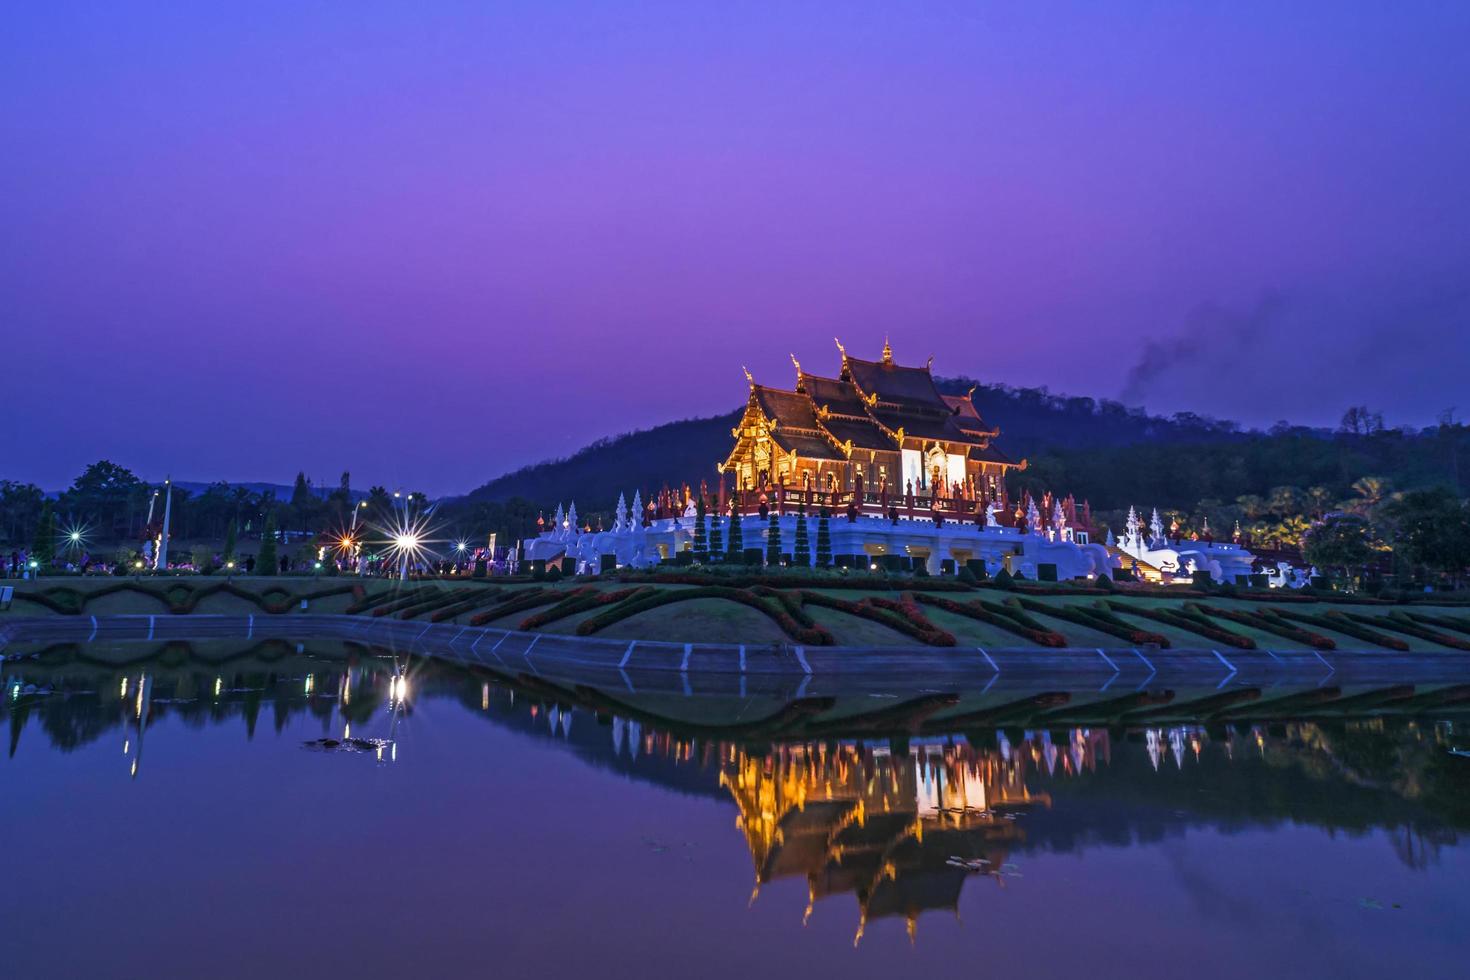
x: 773, y: 541
x: 1004, y: 579
x: 701, y: 533
x: 824, y: 539
x: 801, y: 550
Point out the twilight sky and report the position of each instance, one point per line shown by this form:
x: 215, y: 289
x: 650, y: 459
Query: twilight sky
x: 431, y: 242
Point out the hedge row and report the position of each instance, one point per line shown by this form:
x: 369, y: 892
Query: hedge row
x: 905, y: 618
x: 1192, y: 623
x: 794, y: 580
x: 405, y: 600
x: 180, y: 599
x: 444, y: 597
x: 1272, y: 624
x: 483, y: 594
x: 997, y: 616
x: 577, y: 601
x: 651, y: 599
x: 1444, y: 622
x: 1092, y: 619
x: 790, y: 601
x: 1400, y: 623
x: 1341, y: 624
x: 373, y: 600
x: 514, y: 603
x: 907, y: 607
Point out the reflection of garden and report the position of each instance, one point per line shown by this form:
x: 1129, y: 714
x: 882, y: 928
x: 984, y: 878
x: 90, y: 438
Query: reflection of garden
x: 881, y: 803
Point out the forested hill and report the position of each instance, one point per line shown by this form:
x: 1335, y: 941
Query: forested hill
x: 1031, y: 421
x: 689, y: 449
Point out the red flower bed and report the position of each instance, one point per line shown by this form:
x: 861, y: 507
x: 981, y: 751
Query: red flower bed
x: 982, y: 612
x: 1402, y: 624
x: 1103, y: 624
x: 1272, y: 624
x: 514, y: 603
x: 1192, y: 624
x: 1339, y: 623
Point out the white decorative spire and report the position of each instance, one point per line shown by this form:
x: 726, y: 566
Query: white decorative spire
x: 1156, y: 528
x: 572, y: 529
x: 558, y: 522
x: 620, y: 516
x: 635, y: 518
x: 1134, y: 528
x: 1058, y: 519
x: 1033, y: 517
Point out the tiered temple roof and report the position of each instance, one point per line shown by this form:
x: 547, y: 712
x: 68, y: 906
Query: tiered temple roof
x: 872, y: 406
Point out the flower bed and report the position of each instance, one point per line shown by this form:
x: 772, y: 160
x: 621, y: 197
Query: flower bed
x: 372, y: 600
x: 514, y: 603
x: 997, y: 616
x: 790, y: 601
x: 1272, y: 624
x: 405, y: 600
x: 1443, y: 622
x: 801, y: 579
x: 1092, y: 620
x: 1405, y: 625
x: 482, y: 594
x: 443, y: 598
x: 653, y: 598
x: 885, y: 611
x: 1195, y: 623
x: 1339, y: 623
x: 579, y: 601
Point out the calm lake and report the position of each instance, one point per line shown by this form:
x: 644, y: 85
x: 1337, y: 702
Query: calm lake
x: 323, y: 810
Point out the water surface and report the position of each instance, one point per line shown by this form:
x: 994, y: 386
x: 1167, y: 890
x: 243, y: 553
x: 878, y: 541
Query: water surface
x: 172, y: 812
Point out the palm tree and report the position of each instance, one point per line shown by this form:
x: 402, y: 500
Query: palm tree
x: 1252, y: 507
x: 1320, y: 498
x: 1285, y: 501
x: 1371, y: 491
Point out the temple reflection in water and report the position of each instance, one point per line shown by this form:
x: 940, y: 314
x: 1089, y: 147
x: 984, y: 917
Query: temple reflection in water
x: 901, y: 832
x: 897, y: 819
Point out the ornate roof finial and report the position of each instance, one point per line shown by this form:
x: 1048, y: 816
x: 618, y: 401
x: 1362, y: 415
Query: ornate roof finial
x: 748, y: 376
x: 930, y: 365
x: 887, y: 351
x: 798, y: 366
x: 840, y: 349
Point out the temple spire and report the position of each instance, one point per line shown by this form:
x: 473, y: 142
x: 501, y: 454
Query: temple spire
x: 887, y: 351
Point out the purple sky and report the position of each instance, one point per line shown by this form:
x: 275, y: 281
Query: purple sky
x: 431, y: 242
